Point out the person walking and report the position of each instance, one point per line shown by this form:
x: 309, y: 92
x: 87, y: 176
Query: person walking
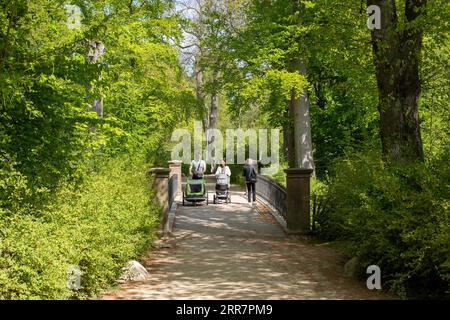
x: 250, y: 174
x: 223, y: 169
x: 197, y: 167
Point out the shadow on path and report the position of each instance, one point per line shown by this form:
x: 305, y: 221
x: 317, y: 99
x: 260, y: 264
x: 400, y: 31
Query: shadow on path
x: 235, y: 251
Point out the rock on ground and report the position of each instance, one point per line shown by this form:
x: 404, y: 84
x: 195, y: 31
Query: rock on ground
x: 134, y: 271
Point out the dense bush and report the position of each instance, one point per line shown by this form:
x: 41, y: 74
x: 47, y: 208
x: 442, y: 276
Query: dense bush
x: 396, y: 217
x: 106, y: 221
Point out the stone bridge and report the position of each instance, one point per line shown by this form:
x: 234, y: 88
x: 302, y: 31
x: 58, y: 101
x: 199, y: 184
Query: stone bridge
x: 237, y: 251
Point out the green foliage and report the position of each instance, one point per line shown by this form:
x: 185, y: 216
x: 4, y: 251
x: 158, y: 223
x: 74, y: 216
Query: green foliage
x: 72, y: 185
x: 280, y: 175
x: 13, y: 185
x: 43, y: 116
x: 146, y: 93
x: 97, y: 226
x: 260, y: 39
x: 259, y: 78
x: 435, y: 98
x: 343, y: 89
x: 395, y: 217
x: 236, y: 174
x: 47, y: 86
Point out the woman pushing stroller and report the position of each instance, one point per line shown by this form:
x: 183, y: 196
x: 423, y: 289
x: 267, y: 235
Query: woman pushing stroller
x: 195, y: 190
x: 223, y: 169
x: 198, y: 167
x: 223, y: 174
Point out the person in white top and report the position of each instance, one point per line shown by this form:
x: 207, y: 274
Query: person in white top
x: 223, y: 169
x: 197, y: 167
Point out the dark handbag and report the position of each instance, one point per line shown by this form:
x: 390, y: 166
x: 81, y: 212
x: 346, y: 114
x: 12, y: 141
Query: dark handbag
x: 253, y: 175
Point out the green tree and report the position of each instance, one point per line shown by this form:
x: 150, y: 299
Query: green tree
x: 397, y: 48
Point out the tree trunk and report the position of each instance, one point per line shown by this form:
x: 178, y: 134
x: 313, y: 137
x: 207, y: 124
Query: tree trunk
x: 201, y: 95
x: 302, y: 124
x: 396, y: 57
x: 286, y: 141
x: 213, y: 113
x: 299, y: 114
x: 214, y: 102
x: 289, y: 133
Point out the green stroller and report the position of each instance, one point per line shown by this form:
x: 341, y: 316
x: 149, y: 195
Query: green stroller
x: 195, y: 191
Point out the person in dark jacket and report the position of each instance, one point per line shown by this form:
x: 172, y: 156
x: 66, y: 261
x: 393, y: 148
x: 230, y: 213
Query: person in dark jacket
x: 250, y: 174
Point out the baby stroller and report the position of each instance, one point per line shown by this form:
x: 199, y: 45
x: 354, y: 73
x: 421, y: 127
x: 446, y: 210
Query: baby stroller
x: 222, y: 189
x: 195, y: 191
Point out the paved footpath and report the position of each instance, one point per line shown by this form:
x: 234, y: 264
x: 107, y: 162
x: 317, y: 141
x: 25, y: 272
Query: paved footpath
x: 237, y: 252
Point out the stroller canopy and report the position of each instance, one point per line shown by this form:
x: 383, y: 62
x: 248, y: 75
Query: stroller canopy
x: 222, y: 179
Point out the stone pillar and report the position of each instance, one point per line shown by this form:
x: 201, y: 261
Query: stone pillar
x: 297, y: 200
x: 175, y: 169
x: 161, y: 186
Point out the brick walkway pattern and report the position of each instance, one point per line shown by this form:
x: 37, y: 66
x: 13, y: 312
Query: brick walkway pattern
x: 236, y: 251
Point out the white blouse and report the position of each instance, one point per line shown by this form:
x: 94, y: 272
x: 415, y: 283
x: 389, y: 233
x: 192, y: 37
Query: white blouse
x: 225, y: 170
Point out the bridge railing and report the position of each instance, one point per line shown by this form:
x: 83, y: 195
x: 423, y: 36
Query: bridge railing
x: 274, y: 194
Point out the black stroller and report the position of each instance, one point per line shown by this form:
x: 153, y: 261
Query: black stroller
x: 222, y: 189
